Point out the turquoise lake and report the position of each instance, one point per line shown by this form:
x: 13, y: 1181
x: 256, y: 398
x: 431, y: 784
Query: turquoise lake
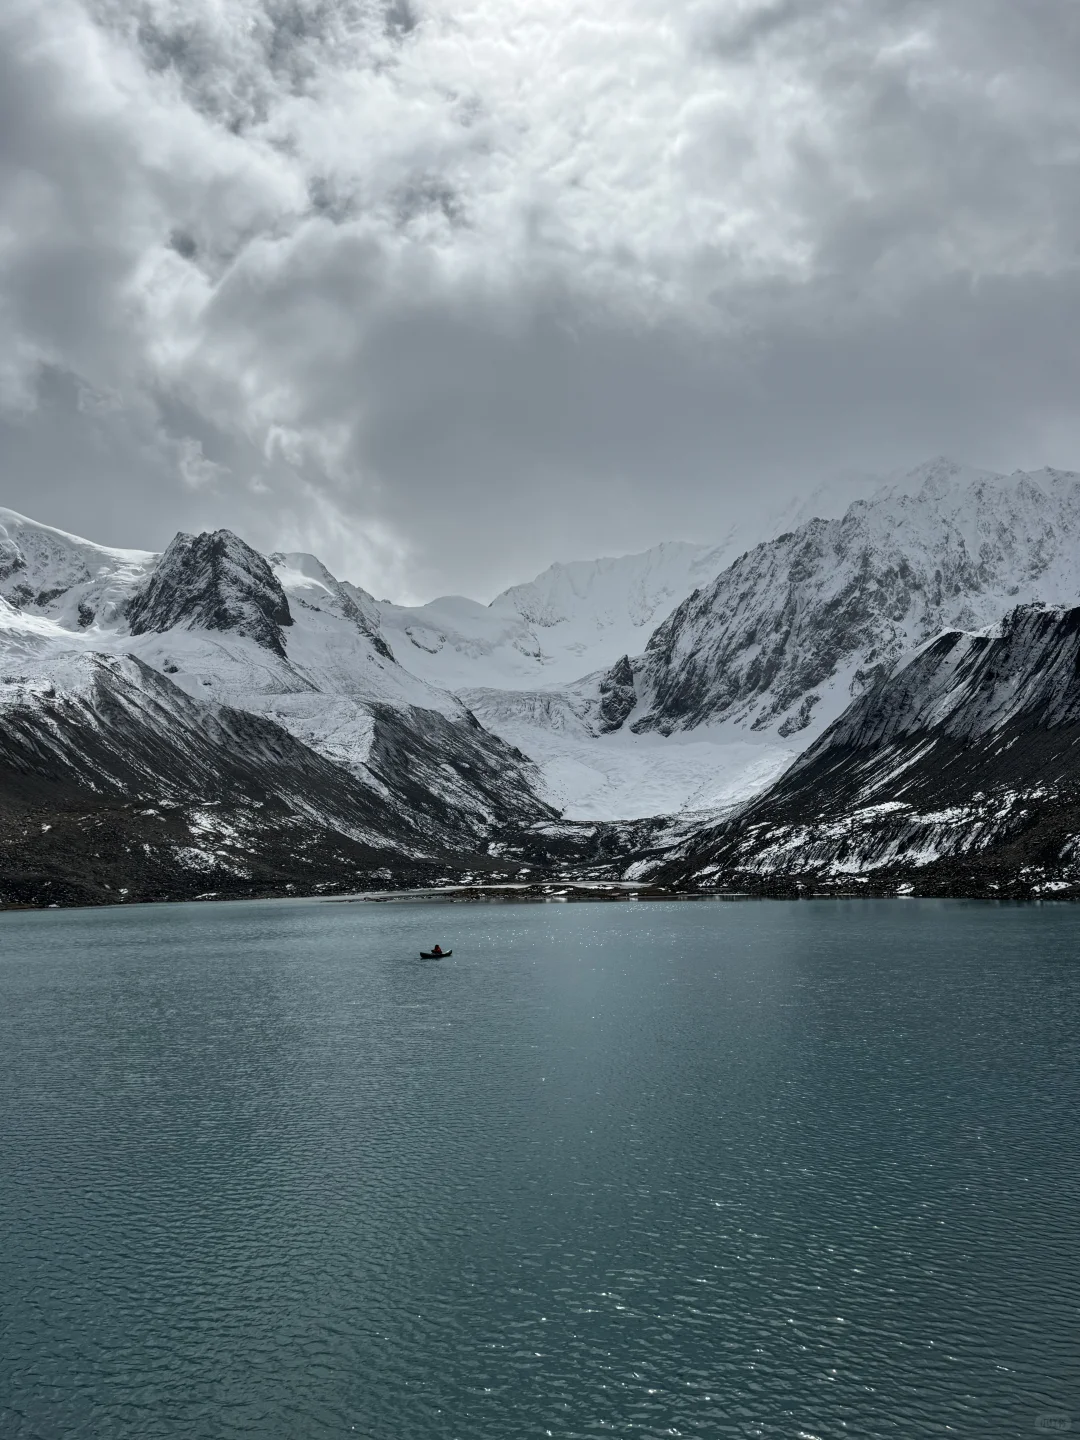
x: 801, y: 1170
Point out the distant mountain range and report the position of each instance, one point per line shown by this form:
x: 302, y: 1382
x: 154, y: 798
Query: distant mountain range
x: 880, y: 698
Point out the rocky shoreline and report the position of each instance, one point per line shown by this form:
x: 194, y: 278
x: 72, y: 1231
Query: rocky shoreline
x: 42, y: 891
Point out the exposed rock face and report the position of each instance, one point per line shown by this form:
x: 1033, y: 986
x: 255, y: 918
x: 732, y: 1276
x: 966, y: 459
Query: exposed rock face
x: 11, y: 558
x: 213, y: 582
x: 617, y: 695
x: 800, y: 718
x: 969, y: 752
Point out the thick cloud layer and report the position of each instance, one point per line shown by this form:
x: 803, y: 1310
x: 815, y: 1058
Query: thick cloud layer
x: 448, y: 290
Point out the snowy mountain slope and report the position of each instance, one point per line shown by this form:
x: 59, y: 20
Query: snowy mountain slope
x: 83, y: 704
x: 967, y: 756
x: 581, y: 616
x: 327, y: 647
x: 112, y: 725
x: 114, y: 783
x: 572, y: 619
x: 338, y: 688
x: 212, y: 595
x: 782, y: 639
x: 77, y: 583
x: 310, y: 583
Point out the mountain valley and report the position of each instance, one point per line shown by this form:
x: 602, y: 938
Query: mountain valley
x: 880, y: 699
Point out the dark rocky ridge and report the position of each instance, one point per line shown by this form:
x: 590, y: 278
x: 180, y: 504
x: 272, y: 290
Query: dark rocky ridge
x: 617, y: 696
x: 213, y: 582
x: 960, y: 773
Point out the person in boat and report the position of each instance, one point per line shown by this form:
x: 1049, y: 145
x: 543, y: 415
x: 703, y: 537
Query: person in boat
x: 436, y: 950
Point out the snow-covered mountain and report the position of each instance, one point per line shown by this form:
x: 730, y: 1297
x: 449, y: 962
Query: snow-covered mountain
x: 572, y: 619
x: 579, y: 617
x: 85, y: 631
x: 962, y: 767
x: 212, y: 654
x: 751, y: 668
x: 112, y: 778
x: 75, y: 582
x: 114, y: 783
x: 785, y: 637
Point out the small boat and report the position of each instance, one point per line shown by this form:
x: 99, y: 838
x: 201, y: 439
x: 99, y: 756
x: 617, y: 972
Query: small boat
x: 430, y: 955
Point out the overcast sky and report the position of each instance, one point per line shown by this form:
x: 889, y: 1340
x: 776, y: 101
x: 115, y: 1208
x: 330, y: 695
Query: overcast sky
x: 447, y: 289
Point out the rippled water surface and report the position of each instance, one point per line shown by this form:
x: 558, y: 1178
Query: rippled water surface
x: 793, y: 1170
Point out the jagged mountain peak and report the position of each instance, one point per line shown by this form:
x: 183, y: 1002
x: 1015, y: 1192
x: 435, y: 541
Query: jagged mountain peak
x: 213, y: 581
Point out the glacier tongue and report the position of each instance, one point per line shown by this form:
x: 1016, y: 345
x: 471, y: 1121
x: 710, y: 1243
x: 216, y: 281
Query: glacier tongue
x: 618, y: 775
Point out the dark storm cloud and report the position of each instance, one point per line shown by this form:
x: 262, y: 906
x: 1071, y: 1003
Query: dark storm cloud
x: 447, y: 291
